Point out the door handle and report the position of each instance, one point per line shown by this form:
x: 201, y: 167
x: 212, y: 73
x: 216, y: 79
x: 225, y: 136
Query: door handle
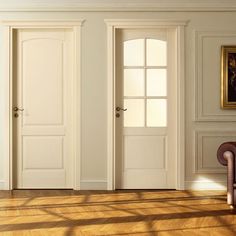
x: 18, y: 109
x: 121, y: 109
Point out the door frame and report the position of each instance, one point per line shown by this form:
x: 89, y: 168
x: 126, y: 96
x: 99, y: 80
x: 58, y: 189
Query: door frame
x: 75, y: 26
x: 178, y: 26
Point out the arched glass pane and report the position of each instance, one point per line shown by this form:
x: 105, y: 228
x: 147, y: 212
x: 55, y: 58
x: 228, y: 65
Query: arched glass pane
x: 156, y: 82
x: 156, y: 52
x: 134, y: 52
x: 134, y: 82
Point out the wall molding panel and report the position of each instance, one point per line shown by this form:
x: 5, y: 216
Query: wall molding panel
x: 206, y: 145
x: 3, y: 185
x: 200, y: 45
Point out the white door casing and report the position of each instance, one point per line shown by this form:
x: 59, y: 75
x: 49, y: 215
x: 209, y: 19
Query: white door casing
x: 69, y: 45
x: 177, y: 28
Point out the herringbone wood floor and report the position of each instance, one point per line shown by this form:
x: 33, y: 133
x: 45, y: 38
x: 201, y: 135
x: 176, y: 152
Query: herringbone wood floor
x: 69, y: 213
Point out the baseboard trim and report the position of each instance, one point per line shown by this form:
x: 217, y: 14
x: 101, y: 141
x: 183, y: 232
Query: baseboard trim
x: 93, y: 185
x: 189, y: 185
x: 3, y: 185
x: 205, y: 185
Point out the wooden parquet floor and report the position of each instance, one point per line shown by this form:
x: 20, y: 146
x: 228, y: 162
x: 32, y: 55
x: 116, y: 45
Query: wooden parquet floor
x: 72, y: 213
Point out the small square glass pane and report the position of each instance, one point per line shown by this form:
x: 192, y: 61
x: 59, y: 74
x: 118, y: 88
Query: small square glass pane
x: 156, y: 82
x: 134, y: 116
x: 133, y: 82
x: 134, y: 52
x: 156, y: 112
x: 156, y: 52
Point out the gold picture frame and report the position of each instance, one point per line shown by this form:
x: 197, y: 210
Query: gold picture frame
x: 228, y: 77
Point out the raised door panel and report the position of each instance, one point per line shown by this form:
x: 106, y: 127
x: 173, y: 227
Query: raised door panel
x: 42, y: 70
x: 49, y: 154
x: 144, y: 152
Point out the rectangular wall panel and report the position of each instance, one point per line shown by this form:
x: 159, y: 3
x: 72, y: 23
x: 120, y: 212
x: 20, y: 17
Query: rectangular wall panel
x: 206, y: 146
x: 207, y: 75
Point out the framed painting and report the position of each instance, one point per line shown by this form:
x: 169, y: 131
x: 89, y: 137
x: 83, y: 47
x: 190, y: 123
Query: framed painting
x: 228, y: 77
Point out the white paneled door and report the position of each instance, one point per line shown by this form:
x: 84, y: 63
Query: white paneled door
x: 145, y: 109
x: 42, y: 112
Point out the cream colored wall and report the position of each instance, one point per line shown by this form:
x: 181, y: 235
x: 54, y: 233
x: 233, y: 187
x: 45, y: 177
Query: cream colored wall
x: 206, y: 125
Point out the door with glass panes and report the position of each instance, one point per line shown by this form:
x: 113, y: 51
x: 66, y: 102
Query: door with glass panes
x: 145, y: 109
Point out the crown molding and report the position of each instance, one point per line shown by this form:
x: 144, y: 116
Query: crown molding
x: 123, y: 6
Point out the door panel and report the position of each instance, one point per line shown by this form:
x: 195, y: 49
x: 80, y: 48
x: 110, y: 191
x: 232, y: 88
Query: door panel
x: 42, y: 88
x: 42, y: 159
x: 48, y: 60
x: 145, y: 118
x: 138, y: 147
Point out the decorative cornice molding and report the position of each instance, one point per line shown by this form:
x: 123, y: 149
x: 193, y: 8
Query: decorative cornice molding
x: 199, y: 138
x: 124, y: 6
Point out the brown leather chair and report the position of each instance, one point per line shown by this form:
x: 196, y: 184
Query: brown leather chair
x: 226, y: 156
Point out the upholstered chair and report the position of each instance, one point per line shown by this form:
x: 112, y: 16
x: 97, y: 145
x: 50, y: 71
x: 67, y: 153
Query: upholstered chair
x: 226, y: 156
